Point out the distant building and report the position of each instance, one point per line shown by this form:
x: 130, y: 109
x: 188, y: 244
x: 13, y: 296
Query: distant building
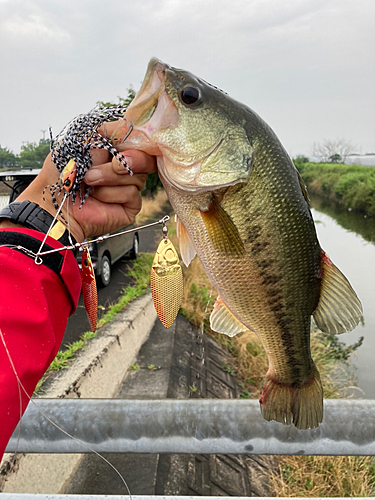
x: 365, y: 160
x: 353, y: 159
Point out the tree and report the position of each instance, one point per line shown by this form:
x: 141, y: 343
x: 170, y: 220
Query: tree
x: 336, y: 158
x: 332, y: 151
x: 122, y: 101
x: 8, y: 159
x: 300, y: 160
x: 33, y: 155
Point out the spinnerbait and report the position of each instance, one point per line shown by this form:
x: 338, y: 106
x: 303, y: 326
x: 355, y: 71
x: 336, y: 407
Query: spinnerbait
x: 70, y: 150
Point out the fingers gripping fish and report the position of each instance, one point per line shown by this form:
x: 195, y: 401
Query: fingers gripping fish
x: 243, y: 208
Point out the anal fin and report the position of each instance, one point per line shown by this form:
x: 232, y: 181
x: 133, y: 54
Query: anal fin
x: 339, y: 309
x: 222, y: 320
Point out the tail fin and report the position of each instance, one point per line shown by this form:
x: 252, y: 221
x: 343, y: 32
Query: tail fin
x: 302, y: 405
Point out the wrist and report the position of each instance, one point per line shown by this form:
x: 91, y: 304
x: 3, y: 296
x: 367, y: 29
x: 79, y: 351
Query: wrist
x: 35, y: 193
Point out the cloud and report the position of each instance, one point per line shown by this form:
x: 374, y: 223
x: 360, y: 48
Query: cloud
x: 31, y: 28
x: 307, y: 61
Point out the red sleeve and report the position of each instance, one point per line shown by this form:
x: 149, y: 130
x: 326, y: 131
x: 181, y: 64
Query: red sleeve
x: 35, y: 304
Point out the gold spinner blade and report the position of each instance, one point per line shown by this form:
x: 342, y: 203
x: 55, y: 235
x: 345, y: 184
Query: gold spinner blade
x: 166, y: 282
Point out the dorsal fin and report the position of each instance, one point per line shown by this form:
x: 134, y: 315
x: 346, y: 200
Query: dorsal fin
x: 222, y: 320
x: 187, y: 248
x: 339, y: 309
x: 303, y: 188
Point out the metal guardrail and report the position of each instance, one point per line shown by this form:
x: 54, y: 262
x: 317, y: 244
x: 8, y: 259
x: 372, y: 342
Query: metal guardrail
x: 15, y: 496
x: 191, y: 426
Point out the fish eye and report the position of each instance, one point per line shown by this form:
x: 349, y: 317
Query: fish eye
x: 190, y: 95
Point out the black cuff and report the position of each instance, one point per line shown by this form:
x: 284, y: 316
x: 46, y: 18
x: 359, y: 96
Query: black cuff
x: 32, y: 216
x: 53, y: 261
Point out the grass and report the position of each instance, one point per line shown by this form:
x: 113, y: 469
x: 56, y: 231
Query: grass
x: 324, y: 477
x: 352, y: 185
x: 152, y: 206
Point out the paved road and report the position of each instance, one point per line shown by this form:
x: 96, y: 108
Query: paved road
x: 78, y: 323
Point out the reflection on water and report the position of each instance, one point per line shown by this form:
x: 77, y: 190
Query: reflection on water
x: 349, y: 240
x: 361, y: 224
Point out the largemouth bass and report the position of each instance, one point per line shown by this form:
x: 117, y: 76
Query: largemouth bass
x: 243, y: 208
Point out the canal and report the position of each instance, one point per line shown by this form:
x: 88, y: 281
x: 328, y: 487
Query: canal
x: 349, y: 240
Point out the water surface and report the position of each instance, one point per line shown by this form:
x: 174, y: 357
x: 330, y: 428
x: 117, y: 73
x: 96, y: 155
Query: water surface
x: 349, y: 240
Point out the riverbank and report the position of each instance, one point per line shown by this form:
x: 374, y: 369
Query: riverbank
x: 351, y: 185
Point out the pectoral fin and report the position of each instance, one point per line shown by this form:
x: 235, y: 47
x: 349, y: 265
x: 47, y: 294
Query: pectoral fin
x: 222, y: 232
x: 187, y: 249
x: 339, y: 309
x: 222, y: 320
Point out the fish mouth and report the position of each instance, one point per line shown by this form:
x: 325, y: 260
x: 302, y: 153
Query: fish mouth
x: 145, y: 102
x: 151, y: 110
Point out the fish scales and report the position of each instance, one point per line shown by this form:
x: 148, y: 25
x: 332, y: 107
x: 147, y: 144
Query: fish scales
x: 275, y: 312
x: 242, y: 207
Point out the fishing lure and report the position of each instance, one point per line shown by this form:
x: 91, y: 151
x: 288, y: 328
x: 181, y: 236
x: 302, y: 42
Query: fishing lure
x: 89, y: 291
x: 166, y: 281
x: 71, y: 154
x: 73, y: 146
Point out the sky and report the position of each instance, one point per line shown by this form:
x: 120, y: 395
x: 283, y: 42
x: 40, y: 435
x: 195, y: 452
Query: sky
x: 305, y: 66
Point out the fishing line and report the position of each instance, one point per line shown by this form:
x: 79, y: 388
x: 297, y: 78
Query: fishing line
x: 73, y: 246
x: 39, y: 261
x: 21, y: 386
x: 19, y: 395
x: 68, y: 221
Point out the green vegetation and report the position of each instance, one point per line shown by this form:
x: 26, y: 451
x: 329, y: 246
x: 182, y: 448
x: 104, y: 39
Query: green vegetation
x: 122, y: 101
x: 153, y: 367
x: 351, y: 185
x: 229, y: 369
x: 8, y: 159
x: 32, y: 156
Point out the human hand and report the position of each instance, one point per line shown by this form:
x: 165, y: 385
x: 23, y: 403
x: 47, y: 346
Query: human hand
x: 114, y: 198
